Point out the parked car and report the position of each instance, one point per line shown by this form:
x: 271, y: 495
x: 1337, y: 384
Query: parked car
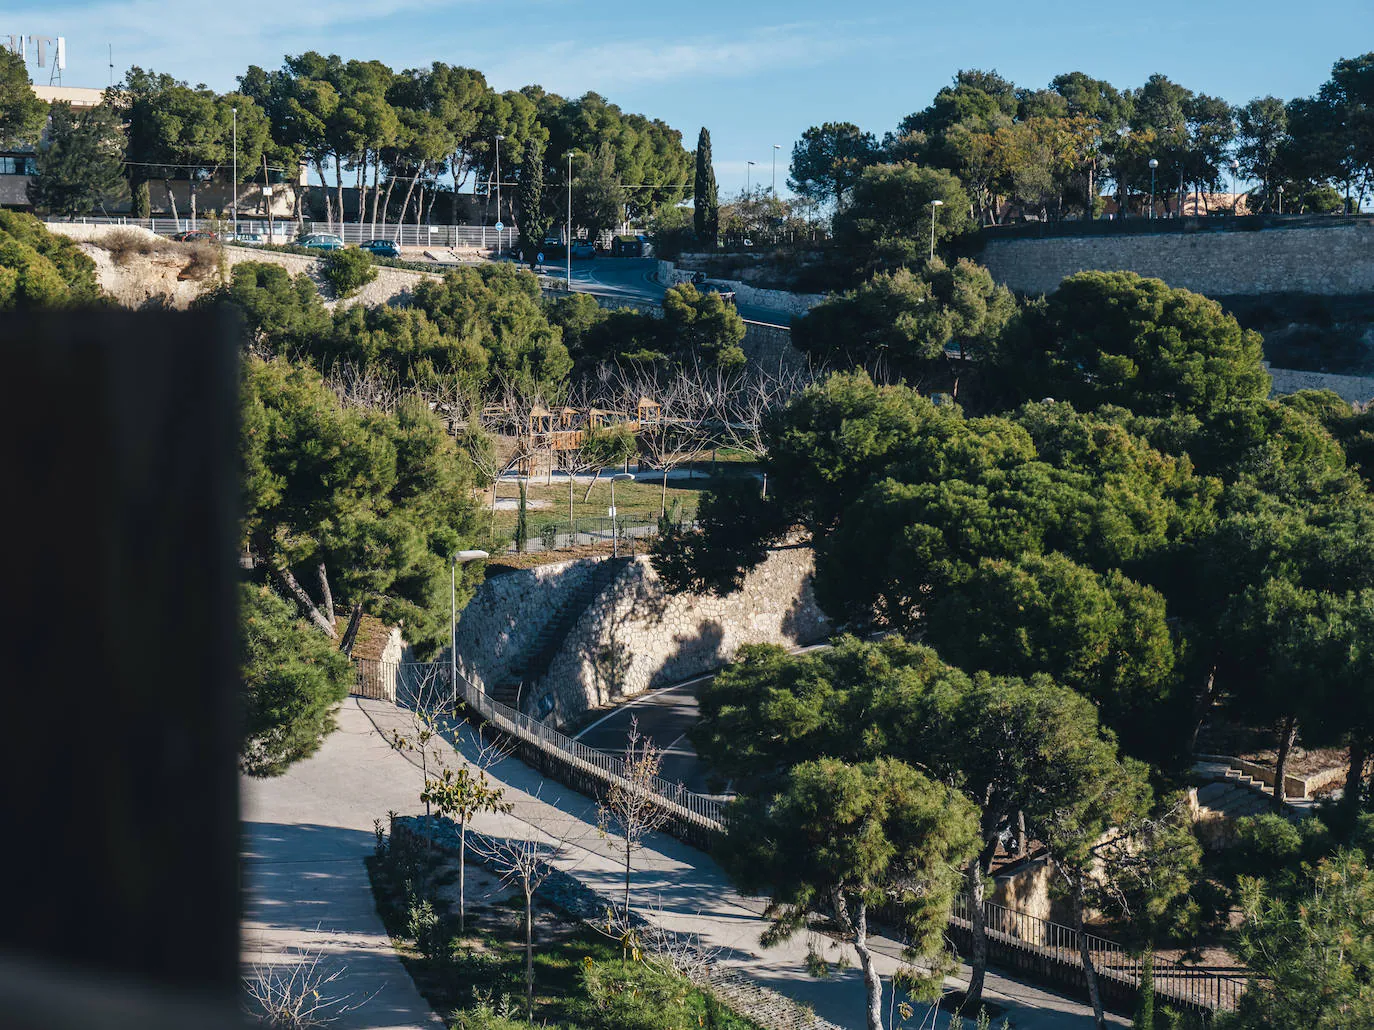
x: 725, y: 290
x: 583, y: 249
x: 196, y: 236
x: 380, y: 248
x: 321, y: 241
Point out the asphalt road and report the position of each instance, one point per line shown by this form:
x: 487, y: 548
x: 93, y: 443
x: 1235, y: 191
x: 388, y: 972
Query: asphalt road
x: 631, y: 279
x: 664, y: 716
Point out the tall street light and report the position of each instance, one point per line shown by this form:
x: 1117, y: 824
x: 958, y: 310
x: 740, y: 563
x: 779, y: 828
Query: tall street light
x: 749, y: 167
x: 1153, y: 165
x: 458, y: 558
x: 1280, y: 199
x: 619, y: 477
x: 235, y: 112
x: 1235, y: 197
x: 499, y: 138
x: 776, y: 148
x: 933, y: 205
x: 567, y: 253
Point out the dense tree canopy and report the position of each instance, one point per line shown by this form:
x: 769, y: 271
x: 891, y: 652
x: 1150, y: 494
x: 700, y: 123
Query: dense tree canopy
x: 39, y: 269
x: 79, y: 167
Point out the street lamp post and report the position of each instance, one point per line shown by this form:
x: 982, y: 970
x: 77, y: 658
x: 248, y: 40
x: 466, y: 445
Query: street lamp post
x: 776, y: 148
x: 499, y: 138
x: 1153, y: 165
x: 619, y: 477
x: 1235, y: 197
x: 458, y: 558
x: 1280, y: 200
x: 235, y: 185
x: 933, y: 205
x: 749, y: 167
x: 568, y: 251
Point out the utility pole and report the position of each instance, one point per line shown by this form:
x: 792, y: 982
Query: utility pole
x: 776, y: 148
x: 235, y: 111
x: 933, y: 205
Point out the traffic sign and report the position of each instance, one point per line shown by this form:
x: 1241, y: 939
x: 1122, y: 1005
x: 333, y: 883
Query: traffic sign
x: 499, y: 226
x: 611, y: 511
x: 539, y: 257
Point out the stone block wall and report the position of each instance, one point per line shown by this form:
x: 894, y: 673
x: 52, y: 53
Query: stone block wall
x: 505, y: 617
x: 1335, y: 260
x: 636, y: 636
x: 779, y: 300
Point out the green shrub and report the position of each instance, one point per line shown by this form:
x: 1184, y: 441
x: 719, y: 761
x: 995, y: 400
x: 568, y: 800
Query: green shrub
x: 1266, y: 844
x: 348, y: 270
x: 548, y: 535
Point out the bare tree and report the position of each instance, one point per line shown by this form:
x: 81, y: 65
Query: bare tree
x: 632, y: 809
x: 756, y: 395
x: 455, y: 783
x: 526, y: 864
x: 297, y: 989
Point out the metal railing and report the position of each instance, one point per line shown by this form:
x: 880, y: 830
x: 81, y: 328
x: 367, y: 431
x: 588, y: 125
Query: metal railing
x: 704, y: 811
x: 285, y: 230
x: 1055, y: 943
x: 1198, y: 988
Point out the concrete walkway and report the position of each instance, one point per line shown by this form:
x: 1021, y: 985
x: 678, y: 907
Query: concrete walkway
x: 305, y: 836
x: 307, y: 833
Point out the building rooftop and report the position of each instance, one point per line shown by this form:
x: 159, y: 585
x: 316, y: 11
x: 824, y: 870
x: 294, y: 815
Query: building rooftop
x: 77, y: 96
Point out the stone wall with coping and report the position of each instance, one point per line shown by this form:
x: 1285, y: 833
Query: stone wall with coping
x: 779, y: 300
x: 1327, y: 261
x: 636, y: 635
x: 508, y: 612
x: 1355, y: 389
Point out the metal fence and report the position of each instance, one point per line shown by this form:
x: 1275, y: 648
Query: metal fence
x: 411, y: 677
x: 1191, y: 986
x: 1056, y: 947
x: 284, y: 230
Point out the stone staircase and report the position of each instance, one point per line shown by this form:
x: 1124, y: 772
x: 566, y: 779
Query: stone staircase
x: 531, y: 666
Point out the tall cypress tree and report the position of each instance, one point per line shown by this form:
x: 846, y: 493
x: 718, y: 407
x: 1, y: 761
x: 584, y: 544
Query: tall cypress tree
x: 704, y: 197
x: 534, y: 221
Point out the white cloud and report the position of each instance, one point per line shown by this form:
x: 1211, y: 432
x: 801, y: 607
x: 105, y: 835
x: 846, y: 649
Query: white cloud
x: 575, y: 68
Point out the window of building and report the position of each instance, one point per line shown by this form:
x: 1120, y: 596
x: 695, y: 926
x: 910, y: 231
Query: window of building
x: 17, y: 165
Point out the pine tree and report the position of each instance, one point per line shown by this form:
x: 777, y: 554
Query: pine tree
x: 704, y: 193
x: 534, y: 221
x: 80, y: 167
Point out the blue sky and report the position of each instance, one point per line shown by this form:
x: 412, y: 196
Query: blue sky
x: 755, y: 73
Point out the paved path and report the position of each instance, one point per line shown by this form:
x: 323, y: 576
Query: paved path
x: 663, y: 716
x: 307, y: 833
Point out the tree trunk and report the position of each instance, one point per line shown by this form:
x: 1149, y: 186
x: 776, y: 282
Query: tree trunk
x: 338, y: 188
x: 386, y: 202
x: 405, y: 206
x: 462, y: 876
x: 978, y: 950
x: 1354, y: 775
x: 325, y: 592
x: 350, y: 636
x: 171, y: 198
x: 627, y: 879
x: 873, y: 981
x: 1286, y: 735
x: 571, y: 524
x: 663, y: 496
x: 596, y: 474
x: 1204, y: 705
x: 1085, y: 953
x: 1021, y: 834
x: 297, y: 591
x: 529, y: 954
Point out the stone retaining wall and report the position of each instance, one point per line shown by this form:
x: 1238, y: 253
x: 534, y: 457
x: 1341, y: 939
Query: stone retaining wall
x: 636, y: 636
x: 506, y: 615
x: 1335, y: 260
x: 1355, y: 389
x: 779, y: 300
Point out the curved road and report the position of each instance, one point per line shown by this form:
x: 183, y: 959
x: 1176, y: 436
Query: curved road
x: 632, y: 279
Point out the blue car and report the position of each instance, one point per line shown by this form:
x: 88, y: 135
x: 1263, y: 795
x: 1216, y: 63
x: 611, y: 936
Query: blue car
x: 380, y: 248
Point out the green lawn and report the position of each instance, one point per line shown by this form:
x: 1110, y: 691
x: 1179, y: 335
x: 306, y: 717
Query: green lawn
x: 637, y: 503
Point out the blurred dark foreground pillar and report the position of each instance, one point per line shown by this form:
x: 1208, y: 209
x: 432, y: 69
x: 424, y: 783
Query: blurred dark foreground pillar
x: 119, y: 436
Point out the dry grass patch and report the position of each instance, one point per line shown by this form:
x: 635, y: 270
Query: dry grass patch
x: 198, y: 261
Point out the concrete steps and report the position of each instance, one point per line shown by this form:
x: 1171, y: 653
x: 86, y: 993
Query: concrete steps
x: 531, y: 666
